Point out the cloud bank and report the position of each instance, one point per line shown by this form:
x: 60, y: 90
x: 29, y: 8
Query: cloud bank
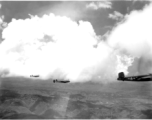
x: 55, y: 47
x: 133, y: 36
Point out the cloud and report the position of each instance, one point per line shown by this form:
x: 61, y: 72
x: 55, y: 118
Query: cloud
x: 116, y: 15
x: 2, y: 23
x: 133, y: 36
x: 1, y: 18
x: 98, y: 5
x: 57, y: 47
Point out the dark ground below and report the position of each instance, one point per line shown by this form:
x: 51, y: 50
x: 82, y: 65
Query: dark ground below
x: 26, y: 99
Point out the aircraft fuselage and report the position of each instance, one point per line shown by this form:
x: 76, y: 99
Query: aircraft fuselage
x: 138, y: 78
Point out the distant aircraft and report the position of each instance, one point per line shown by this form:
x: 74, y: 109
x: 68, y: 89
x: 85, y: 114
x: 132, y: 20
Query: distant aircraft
x: 34, y: 75
x: 138, y: 78
x: 61, y: 81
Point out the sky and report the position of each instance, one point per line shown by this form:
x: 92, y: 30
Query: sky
x: 76, y: 40
x: 103, y: 15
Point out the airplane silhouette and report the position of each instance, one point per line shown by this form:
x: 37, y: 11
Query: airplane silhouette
x: 34, y: 75
x: 138, y: 78
x: 61, y: 81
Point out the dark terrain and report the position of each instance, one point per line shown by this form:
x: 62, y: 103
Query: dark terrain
x: 26, y: 99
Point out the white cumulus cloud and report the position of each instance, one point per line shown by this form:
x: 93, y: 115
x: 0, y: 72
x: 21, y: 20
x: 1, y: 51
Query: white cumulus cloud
x: 53, y: 47
x: 56, y: 47
x: 116, y: 15
x: 2, y: 23
x: 99, y: 4
x: 133, y: 36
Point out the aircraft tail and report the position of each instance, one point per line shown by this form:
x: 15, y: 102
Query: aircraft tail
x: 121, y: 76
x: 55, y: 80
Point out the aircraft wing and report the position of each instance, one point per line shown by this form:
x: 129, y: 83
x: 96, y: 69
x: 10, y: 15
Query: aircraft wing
x: 64, y: 81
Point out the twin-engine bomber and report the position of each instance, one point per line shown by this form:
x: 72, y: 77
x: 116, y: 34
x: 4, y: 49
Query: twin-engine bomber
x: 138, y: 78
x: 61, y: 81
x: 34, y: 75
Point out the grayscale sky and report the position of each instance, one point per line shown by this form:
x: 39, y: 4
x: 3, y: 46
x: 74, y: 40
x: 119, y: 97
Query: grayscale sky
x: 101, y: 14
x: 76, y: 40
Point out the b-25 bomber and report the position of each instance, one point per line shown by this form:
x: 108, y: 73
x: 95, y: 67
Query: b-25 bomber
x: 137, y: 78
x: 34, y: 75
x: 61, y: 81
